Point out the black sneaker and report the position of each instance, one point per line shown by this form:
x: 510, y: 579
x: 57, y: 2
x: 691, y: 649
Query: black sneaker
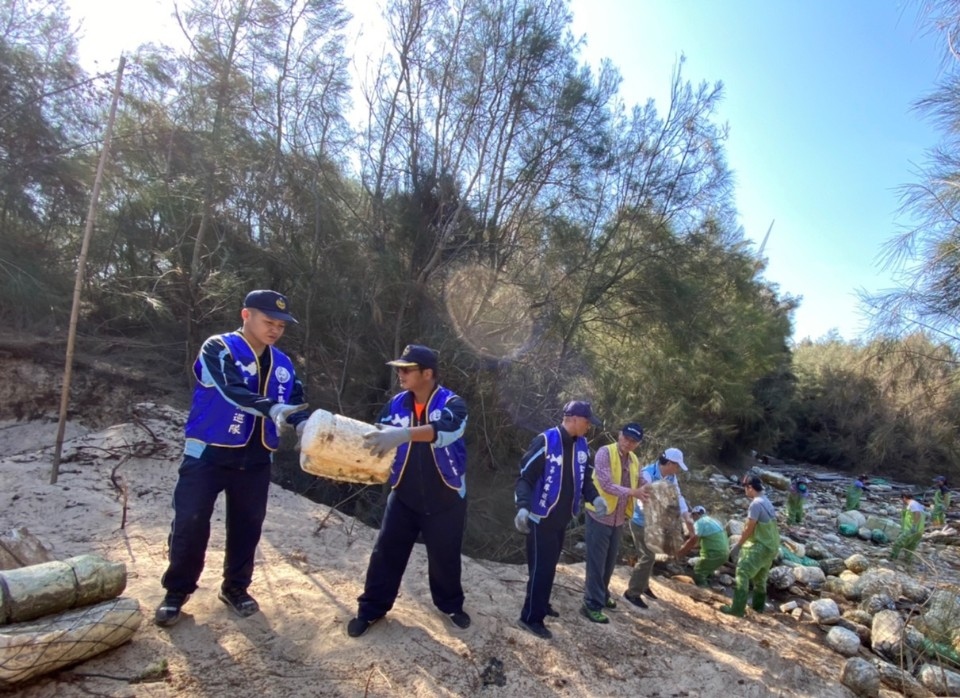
x: 552, y: 613
x: 636, y: 601
x: 460, y: 619
x: 168, y: 612
x: 650, y: 595
x: 239, y: 601
x: 358, y: 626
x: 538, y: 629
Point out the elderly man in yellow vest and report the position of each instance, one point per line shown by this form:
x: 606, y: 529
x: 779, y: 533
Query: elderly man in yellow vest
x: 616, y: 475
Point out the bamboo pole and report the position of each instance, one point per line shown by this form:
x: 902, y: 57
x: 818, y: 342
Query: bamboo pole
x: 78, y: 284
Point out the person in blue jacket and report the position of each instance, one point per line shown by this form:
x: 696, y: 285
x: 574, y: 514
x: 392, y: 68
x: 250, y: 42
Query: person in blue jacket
x: 556, y: 474
x: 247, y: 390
x: 424, y: 423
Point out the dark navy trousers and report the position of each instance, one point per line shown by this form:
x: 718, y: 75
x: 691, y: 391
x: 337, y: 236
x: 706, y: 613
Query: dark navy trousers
x: 198, y: 486
x: 543, y: 553
x: 443, y: 536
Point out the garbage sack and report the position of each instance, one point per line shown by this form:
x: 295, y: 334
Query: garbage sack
x: 848, y: 529
x: 663, y: 528
x: 788, y: 556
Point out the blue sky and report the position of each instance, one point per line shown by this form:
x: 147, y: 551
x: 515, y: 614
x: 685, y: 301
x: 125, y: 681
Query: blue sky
x: 819, y: 99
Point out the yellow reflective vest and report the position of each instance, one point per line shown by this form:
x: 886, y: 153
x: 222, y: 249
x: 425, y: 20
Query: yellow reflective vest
x: 616, y: 473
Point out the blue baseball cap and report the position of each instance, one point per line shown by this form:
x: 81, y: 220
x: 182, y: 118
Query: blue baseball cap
x: 632, y: 430
x: 270, y: 303
x: 579, y: 408
x: 416, y: 355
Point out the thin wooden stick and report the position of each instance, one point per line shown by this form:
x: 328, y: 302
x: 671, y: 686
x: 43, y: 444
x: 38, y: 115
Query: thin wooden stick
x: 78, y: 285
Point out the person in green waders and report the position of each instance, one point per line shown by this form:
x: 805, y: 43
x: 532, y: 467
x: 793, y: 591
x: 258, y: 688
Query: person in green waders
x: 798, y: 492
x: 758, y: 548
x: 855, y: 492
x: 911, y: 528
x: 941, y: 501
x: 714, y: 545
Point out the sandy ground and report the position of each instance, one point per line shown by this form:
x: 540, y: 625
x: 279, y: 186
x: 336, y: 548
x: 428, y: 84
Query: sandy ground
x: 310, y: 568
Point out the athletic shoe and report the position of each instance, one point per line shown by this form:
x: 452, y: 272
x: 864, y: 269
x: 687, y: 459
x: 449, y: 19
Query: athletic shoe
x: 593, y: 616
x: 649, y: 594
x: 538, y: 629
x: 358, y: 626
x: 610, y: 602
x: 636, y: 601
x: 168, y: 612
x: 552, y: 613
x: 239, y: 601
x: 460, y: 619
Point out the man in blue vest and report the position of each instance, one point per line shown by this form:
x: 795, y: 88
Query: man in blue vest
x: 246, y: 392
x: 425, y: 424
x: 556, y: 473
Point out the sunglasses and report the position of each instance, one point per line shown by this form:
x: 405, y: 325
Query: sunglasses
x: 407, y: 369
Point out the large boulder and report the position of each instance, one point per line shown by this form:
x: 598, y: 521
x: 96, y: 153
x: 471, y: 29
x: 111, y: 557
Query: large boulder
x: 824, y: 611
x: 875, y: 603
x: 940, y: 680
x: 832, y: 566
x: 812, y: 577
x: 886, y: 634
x: 878, y: 581
x: 912, y: 590
x: 900, y: 681
x: 844, y: 641
x: 941, y: 619
x: 860, y: 630
x: 861, y: 677
x: 857, y: 563
x: 840, y: 587
x: 775, y: 480
x: 858, y: 615
x: 781, y: 577
x: 851, y: 518
x: 817, y: 550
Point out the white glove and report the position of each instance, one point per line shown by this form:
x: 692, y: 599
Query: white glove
x: 600, y: 506
x: 521, y: 521
x: 280, y: 412
x: 384, y: 439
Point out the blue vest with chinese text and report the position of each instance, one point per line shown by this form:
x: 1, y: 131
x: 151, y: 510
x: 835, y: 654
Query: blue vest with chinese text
x: 214, y: 421
x: 547, y: 489
x: 451, y: 460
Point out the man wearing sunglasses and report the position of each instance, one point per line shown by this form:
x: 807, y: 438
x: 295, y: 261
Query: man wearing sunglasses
x: 424, y: 423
